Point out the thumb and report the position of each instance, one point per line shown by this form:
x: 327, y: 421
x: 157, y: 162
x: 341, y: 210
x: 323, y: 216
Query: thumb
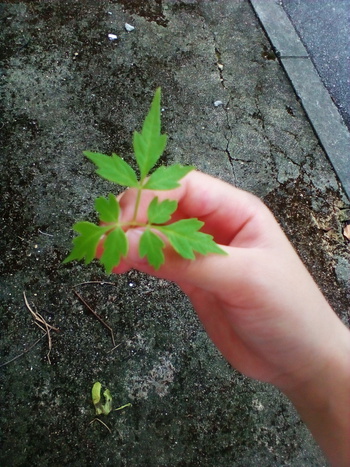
x: 211, y: 272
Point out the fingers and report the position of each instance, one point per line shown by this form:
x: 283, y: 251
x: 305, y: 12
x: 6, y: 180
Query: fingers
x: 223, y: 208
x: 207, y: 272
x: 239, y: 222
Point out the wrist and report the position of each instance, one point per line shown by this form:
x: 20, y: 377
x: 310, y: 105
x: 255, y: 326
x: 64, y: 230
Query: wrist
x: 323, y: 398
x: 332, y: 366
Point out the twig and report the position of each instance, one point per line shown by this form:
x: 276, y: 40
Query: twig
x: 115, y: 347
x: 24, y: 352
x: 98, y: 420
x: 42, y: 324
x: 45, y: 233
x: 37, y: 315
x: 96, y: 316
x: 95, y: 282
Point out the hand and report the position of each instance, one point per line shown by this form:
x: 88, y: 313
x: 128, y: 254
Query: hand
x: 259, y: 305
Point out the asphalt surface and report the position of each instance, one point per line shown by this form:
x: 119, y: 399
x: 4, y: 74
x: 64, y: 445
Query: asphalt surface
x: 324, y: 28
x: 311, y: 40
x: 68, y: 85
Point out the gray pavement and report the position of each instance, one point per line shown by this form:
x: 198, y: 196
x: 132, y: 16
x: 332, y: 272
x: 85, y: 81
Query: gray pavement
x: 67, y: 87
x: 324, y: 28
x: 312, y: 41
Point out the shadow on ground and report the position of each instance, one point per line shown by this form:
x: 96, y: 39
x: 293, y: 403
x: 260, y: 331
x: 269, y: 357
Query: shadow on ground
x: 65, y: 88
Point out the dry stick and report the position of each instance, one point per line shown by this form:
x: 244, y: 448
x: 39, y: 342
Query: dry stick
x: 45, y: 233
x: 39, y: 321
x: 115, y: 347
x: 97, y: 316
x: 24, y: 352
x: 98, y: 420
x: 47, y: 330
x: 99, y: 283
x: 94, y: 282
x: 37, y: 315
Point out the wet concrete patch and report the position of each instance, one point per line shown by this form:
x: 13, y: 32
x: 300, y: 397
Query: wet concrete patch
x: 65, y: 88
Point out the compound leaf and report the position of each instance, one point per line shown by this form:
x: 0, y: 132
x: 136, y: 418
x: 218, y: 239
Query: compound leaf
x: 184, y: 235
x: 108, y: 209
x: 114, y: 247
x: 160, y: 212
x: 85, y: 245
x: 113, y: 168
x: 167, y: 178
x: 149, y: 144
x: 151, y: 246
x: 185, y: 238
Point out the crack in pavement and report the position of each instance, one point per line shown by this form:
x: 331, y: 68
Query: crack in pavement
x: 228, y: 137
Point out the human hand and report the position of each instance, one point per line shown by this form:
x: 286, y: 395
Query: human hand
x: 259, y: 304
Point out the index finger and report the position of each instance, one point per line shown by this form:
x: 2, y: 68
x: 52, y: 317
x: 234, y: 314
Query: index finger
x: 223, y: 208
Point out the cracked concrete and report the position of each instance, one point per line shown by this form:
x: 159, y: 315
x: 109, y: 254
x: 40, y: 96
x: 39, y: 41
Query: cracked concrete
x: 65, y: 88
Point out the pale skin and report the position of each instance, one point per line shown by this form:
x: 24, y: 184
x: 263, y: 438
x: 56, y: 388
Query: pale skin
x: 259, y: 304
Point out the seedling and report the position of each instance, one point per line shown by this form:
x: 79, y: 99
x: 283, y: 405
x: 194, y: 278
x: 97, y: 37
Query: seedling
x: 96, y: 399
x: 105, y: 408
x: 183, y: 235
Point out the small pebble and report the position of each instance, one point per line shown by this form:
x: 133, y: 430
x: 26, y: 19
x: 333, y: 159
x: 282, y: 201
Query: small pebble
x: 128, y: 27
x: 217, y: 103
x: 112, y: 37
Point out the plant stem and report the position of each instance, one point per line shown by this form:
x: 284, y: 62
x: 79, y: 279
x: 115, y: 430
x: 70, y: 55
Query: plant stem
x: 137, y: 204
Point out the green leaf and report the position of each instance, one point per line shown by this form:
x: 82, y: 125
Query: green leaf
x: 151, y: 246
x: 167, y: 178
x: 184, y: 235
x: 107, y: 406
x: 96, y: 393
x: 85, y: 245
x: 113, y: 168
x: 96, y: 399
x: 185, y: 238
x: 159, y: 213
x: 149, y: 144
x: 114, y: 247
x: 108, y: 209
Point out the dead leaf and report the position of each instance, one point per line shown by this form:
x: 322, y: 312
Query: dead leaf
x: 346, y: 231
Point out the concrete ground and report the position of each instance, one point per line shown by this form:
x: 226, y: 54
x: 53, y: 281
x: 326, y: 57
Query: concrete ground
x: 303, y: 36
x: 324, y: 29
x: 66, y: 87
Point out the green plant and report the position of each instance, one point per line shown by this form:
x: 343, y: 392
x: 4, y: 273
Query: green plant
x: 96, y: 399
x: 105, y: 408
x: 183, y: 235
